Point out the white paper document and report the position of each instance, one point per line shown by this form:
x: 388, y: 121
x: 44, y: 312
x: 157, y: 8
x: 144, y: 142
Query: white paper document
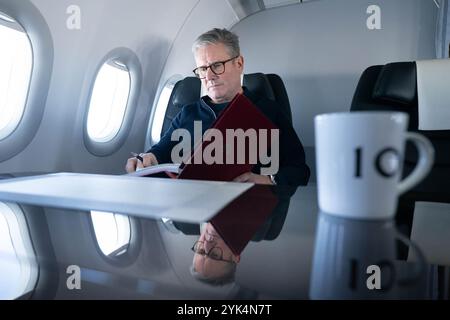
x: 164, y: 167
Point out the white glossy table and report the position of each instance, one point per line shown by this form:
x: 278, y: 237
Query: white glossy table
x: 181, y: 200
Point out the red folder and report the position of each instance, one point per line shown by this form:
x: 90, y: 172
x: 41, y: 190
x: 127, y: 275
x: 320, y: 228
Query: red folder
x: 241, y: 113
x: 238, y: 222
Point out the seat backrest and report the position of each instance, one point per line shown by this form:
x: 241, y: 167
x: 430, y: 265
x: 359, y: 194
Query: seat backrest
x: 271, y: 87
x: 281, y: 96
x: 393, y: 87
x: 184, y: 92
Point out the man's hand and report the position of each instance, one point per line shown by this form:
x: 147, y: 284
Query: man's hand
x: 252, y: 177
x: 133, y: 164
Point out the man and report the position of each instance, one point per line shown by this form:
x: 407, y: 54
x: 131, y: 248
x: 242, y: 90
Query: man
x: 213, y: 262
x: 220, y: 66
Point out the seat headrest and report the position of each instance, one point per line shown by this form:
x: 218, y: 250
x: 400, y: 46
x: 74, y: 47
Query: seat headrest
x: 396, y: 83
x: 259, y: 84
x: 185, y: 91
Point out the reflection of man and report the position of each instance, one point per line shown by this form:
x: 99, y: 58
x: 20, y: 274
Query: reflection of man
x: 256, y: 215
x: 214, y: 262
x: 220, y: 66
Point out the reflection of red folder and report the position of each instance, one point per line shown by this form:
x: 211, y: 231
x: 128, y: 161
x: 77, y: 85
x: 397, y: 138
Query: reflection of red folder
x: 238, y: 222
x: 241, y: 113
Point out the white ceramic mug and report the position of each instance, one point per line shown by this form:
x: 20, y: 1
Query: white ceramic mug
x: 359, y: 161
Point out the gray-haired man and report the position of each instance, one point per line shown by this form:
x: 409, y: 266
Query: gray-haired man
x: 220, y: 66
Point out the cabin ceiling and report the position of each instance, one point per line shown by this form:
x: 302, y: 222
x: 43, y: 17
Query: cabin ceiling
x: 245, y: 8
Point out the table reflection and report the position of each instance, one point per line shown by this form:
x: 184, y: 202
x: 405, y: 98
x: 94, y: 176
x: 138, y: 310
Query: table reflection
x: 256, y: 215
x: 269, y: 243
x: 359, y: 259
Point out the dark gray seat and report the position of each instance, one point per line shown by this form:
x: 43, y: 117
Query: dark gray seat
x: 184, y: 92
x: 393, y: 87
x: 188, y: 90
x: 271, y: 87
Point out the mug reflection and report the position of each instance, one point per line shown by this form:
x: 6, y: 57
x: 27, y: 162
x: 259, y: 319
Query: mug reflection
x: 357, y: 259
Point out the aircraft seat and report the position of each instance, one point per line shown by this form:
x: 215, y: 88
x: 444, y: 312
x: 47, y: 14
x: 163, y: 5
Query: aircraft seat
x: 271, y: 87
x: 393, y: 87
x: 184, y: 92
x: 280, y: 93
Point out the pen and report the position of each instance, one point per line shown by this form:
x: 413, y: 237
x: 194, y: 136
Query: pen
x: 137, y: 156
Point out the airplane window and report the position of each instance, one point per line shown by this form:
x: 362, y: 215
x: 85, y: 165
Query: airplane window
x: 161, y: 107
x: 113, y: 232
x: 108, y: 101
x: 18, y: 267
x: 16, y: 63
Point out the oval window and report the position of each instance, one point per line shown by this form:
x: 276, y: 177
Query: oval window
x: 112, y: 231
x: 161, y: 107
x: 108, y: 101
x: 16, y: 63
x: 18, y: 267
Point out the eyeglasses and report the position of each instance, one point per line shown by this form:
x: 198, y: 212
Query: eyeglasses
x: 216, y: 67
x: 215, y: 253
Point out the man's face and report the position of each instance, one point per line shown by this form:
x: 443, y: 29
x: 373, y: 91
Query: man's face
x: 223, y: 87
x: 209, y: 267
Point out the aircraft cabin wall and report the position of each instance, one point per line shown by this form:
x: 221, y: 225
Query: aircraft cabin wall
x: 146, y: 28
x: 319, y: 48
